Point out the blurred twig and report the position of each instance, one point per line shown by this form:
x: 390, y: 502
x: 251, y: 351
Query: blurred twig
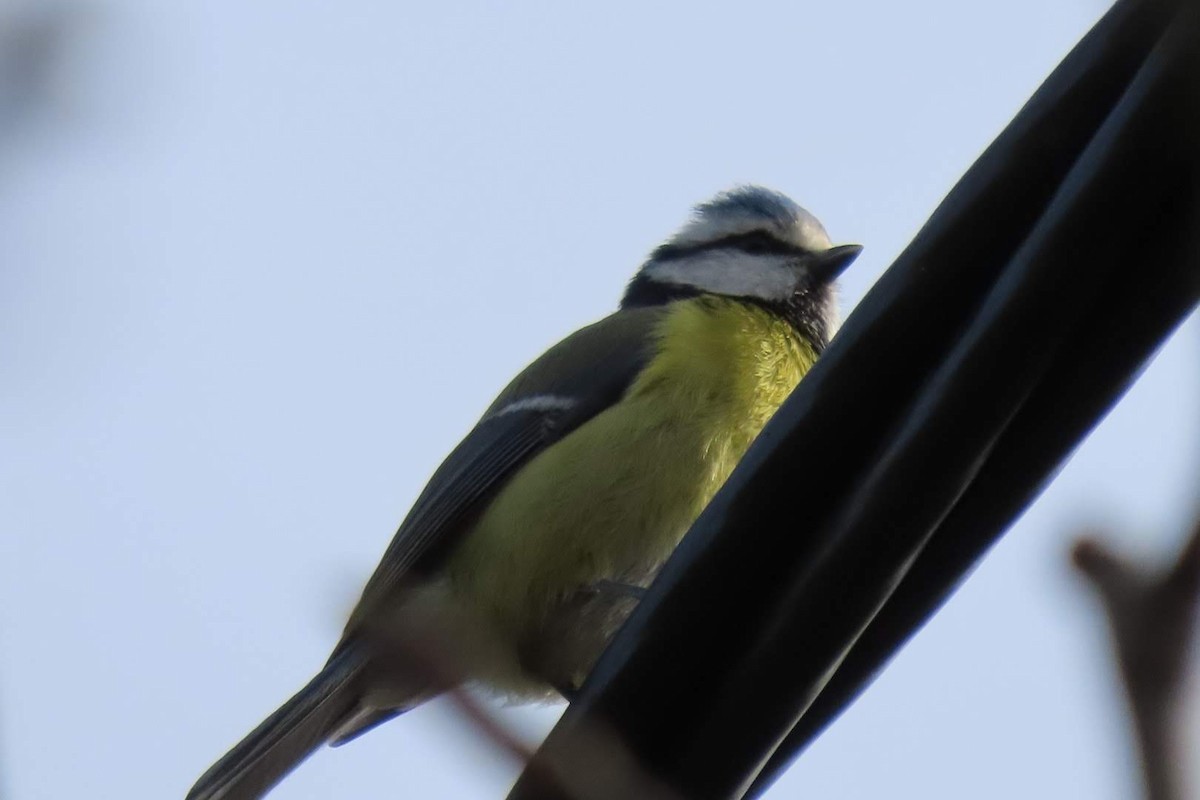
x: 1152, y: 617
x: 599, y: 767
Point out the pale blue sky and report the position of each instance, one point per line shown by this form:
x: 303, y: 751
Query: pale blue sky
x: 261, y: 265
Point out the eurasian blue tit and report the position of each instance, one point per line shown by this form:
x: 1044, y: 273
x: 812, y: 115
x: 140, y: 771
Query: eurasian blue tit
x: 535, y: 538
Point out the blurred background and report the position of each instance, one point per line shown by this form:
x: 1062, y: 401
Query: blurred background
x: 262, y: 265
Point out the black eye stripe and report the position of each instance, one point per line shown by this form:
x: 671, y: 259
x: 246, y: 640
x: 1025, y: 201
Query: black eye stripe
x: 752, y: 242
x: 759, y: 242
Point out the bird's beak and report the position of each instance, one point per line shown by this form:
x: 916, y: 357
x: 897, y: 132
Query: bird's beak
x: 826, y: 266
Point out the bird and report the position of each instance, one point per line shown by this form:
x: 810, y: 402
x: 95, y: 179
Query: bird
x: 539, y: 533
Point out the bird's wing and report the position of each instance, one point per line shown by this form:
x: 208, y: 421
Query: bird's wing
x: 568, y: 385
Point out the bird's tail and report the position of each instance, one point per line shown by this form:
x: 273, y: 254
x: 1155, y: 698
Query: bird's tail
x: 287, y: 737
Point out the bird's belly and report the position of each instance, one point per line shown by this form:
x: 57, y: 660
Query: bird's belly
x: 607, y: 503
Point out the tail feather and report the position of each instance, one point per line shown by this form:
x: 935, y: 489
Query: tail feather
x: 287, y: 737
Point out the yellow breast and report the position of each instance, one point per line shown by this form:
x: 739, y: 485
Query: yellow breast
x: 613, y: 498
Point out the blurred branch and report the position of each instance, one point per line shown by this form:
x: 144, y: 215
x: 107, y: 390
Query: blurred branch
x: 600, y: 767
x: 1152, y: 617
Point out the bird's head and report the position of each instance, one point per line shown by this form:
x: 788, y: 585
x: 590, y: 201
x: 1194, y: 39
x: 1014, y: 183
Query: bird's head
x: 756, y: 245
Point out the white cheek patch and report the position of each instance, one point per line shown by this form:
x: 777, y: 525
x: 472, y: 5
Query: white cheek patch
x: 729, y: 272
x: 536, y: 402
